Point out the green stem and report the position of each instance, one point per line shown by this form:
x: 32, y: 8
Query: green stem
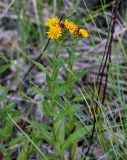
x: 70, y: 67
x: 74, y: 148
x: 52, y: 89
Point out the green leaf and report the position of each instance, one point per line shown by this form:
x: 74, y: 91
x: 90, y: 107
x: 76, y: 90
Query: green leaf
x: 40, y: 92
x: 4, y: 68
x: 70, y: 126
x: 42, y: 131
x: 8, y: 108
x: 16, y: 140
x: 3, y: 93
x: 67, y: 111
x: 63, y: 86
x: 60, y: 130
x: 75, y: 136
x: 50, y: 156
x: 3, y: 134
x: 78, y: 74
x: 80, y: 97
x: 40, y: 66
x: 47, y: 108
x: 24, y: 152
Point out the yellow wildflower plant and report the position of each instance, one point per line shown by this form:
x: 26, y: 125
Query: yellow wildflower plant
x: 52, y: 22
x: 70, y: 26
x: 56, y: 28
x: 83, y: 33
x: 54, y: 32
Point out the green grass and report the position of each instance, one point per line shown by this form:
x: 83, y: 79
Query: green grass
x: 58, y: 112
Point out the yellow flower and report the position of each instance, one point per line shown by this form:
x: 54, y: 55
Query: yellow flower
x: 70, y: 26
x: 83, y: 33
x: 52, y: 22
x: 54, y: 32
x: 56, y: 28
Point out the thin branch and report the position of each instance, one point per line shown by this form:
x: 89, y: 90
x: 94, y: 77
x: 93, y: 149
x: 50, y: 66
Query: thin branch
x: 106, y: 58
x: 29, y: 70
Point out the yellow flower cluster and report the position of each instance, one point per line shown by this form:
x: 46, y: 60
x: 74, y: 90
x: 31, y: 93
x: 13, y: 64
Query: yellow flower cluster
x: 56, y: 28
x: 52, y: 22
x: 54, y: 32
x: 70, y: 26
x: 83, y: 33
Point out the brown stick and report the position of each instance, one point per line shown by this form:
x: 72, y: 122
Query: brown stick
x: 107, y: 53
x: 29, y: 70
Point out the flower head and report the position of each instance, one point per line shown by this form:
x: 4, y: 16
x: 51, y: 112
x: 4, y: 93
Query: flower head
x: 56, y: 28
x: 52, y: 22
x: 83, y: 33
x: 70, y: 26
x: 54, y: 32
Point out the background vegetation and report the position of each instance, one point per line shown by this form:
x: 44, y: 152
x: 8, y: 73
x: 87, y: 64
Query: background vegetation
x: 52, y: 112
